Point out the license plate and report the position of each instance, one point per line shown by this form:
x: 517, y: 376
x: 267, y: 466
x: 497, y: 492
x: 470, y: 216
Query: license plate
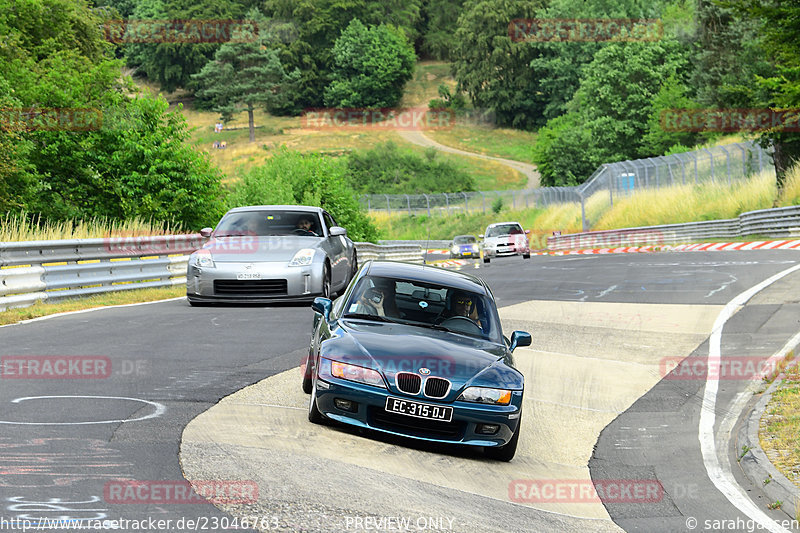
x: 467, y: 253
x: 248, y: 275
x: 419, y: 410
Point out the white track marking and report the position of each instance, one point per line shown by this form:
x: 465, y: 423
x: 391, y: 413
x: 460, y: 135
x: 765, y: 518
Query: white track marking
x: 721, y: 476
x: 160, y: 409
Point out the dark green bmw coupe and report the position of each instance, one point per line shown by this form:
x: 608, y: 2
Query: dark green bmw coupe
x: 417, y: 351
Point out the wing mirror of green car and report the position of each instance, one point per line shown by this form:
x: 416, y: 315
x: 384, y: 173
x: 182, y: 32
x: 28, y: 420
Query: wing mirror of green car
x: 323, y: 307
x: 520, y: 338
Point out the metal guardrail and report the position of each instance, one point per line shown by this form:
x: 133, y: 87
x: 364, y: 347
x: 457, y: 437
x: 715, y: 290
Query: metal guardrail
x: 773, y: 223
x: 59, y: 269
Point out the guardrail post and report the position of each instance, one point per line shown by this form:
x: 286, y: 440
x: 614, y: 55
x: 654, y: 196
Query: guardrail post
x: 428, y: 203
x: 728, y: 163
x: 408, y: 202
x: 447, y: 202
x: 388, y: 207
x: 513, y: 200
x: 584, y: 222
x: 466, y: 202
x: 483, y: 200
x: 711, y: 158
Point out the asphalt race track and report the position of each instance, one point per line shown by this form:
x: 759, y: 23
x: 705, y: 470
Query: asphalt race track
x: 606, y: 329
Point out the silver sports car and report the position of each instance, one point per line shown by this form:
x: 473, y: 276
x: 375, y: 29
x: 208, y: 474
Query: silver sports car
x: 271, y: 253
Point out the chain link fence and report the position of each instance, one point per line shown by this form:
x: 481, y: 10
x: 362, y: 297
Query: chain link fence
x: 723, y: 165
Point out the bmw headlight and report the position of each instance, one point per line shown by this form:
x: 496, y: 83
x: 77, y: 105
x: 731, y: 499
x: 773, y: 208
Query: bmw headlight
x: 302, y: 258
x: 202, y: 258
x: 484, y: 395
x: 357, y: 373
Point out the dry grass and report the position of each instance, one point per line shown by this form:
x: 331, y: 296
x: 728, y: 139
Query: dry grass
x: 791, y: 188
x: 497, y: 142
x: 778, y: 435
x: 424, y: 86
x: 689, y: 203
x: 29, y: 228
x: 12, y: 316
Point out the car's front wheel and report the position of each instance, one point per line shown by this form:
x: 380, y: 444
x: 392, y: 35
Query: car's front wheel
x: 526, y: 256
x: 314, y: 415
x: 505, y: 452
x: 307, y: 376
x: 326, y: 282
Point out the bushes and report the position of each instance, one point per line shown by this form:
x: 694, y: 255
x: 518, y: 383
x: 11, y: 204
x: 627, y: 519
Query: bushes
x: 386, y: 169
x: 309, y: 179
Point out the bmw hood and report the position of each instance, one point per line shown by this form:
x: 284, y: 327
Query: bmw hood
x: 250, y: 248
x: 393, y: 348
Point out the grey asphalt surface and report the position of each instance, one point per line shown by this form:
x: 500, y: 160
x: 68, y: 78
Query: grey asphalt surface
x: 186, y: 359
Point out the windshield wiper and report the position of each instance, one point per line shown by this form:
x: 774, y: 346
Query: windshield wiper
x: 367, y: 316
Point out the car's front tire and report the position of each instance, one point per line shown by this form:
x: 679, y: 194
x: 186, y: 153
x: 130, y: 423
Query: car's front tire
x: 486, y: 259
x: 326, y: 282
x: 307, y: 384
x: 505, y: 452
x: 314, y: 415
x: 526, y: 256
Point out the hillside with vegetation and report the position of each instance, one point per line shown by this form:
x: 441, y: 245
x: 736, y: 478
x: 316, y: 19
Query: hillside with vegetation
x: 110, y: 125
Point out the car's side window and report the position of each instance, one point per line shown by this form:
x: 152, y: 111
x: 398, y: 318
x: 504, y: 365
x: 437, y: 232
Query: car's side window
x: 328, y: 221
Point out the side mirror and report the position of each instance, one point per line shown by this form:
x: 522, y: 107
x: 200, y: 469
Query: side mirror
x: 206, y: 232
x: 323, y: 307
x: 481, y: 236
x: 520, y: 338
x: 527, y: 232
x: 336, y: 231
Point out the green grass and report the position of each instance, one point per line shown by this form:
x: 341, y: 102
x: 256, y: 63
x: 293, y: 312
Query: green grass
x: 39, y: 309
x: 497, y: 142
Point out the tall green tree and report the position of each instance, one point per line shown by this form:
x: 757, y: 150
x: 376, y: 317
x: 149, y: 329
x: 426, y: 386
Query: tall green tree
x: 167, y: 61
x: 778, y: 24
x: 493, y: 69
x: 319, y: 23
x: 371, y: 67
x: 440, y: 19
x: 245, y: 76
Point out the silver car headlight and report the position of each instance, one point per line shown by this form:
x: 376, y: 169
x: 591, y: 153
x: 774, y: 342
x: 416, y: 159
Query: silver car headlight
x: 484, y: 395
x: 202, y: 258
x: 303, y: 257
x: 474, y: 247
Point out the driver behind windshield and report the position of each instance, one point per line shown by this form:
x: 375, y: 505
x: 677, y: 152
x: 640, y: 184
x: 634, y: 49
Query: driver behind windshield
x: 463, y: 305
x: 305, y: 224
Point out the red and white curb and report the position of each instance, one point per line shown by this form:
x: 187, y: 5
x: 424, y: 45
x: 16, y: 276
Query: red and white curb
x: 725, y: 246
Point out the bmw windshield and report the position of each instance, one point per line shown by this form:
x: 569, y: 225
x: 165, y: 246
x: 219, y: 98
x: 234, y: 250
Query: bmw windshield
x: 425, y: 305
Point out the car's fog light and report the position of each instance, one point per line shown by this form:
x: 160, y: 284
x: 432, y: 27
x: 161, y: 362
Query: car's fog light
x: 345, y: 405
x: 487, y: 429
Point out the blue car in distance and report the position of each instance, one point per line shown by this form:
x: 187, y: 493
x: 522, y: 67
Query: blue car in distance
x: 464, y: 246
x: 417, y: 351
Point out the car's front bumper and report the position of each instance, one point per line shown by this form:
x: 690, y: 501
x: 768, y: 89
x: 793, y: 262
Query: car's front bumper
x: 268, y: 282
x: 370, y: 413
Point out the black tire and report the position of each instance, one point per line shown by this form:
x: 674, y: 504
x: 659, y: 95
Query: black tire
x: 326, y: 282
x: 526, y: 256
x: 307, y: 382
x: 486, y: 259
x: 353, y: 268
x: 314, y: 416
x: 505, y: 452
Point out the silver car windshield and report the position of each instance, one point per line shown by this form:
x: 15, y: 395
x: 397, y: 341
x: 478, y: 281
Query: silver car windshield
x: 425, y: 305
x: 269, y: 223
x: 504, y: 229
